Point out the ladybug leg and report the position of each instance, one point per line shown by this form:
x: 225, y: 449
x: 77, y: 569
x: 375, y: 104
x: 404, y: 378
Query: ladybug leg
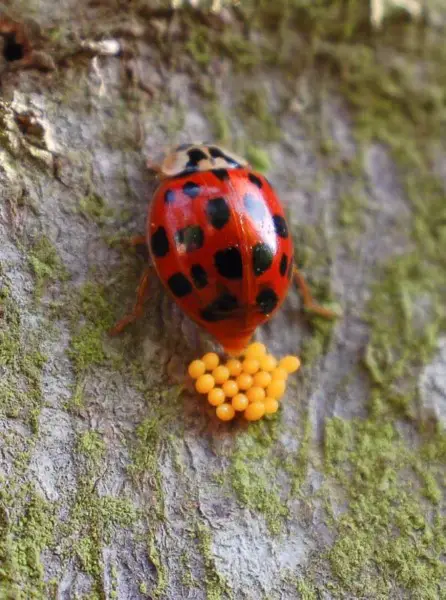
x: 141, y: 297
x: 137, y: 240
x: 310, y: 304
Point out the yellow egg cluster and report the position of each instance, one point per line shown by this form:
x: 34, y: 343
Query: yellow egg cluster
x: 252, y: 385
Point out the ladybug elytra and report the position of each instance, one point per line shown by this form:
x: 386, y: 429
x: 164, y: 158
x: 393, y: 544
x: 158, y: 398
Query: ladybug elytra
x: 219, y: 241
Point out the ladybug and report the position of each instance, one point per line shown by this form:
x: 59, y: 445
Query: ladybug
x: 219, y: 242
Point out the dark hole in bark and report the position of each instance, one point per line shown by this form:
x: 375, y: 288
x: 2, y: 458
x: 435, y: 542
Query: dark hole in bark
x: 12, y: 50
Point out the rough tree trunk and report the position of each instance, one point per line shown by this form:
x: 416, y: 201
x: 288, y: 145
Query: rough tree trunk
x: 115, y: 480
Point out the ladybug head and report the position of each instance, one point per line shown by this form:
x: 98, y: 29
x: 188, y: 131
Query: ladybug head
x: 193, y: 157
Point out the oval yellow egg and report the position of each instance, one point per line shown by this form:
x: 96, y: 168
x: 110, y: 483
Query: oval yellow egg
x: 211, y: 361
x: 279, y: 373
x: 204, y: 384
x: 220, y: 374
x: 256, y: 394
x: 225, y: 412
x: 291, y: 364
x: 276, y: 388
x: 262, y: 379
x: 244, y: 381
x: 196, y: 368
x: 271, y: 406
x: 268, y: 363
x: 234, y: 366
x: 250, y: 366
x: 255, y: 350
x: 240, y: 402
x: 254, y: 411
x: 216, y: 397
x: 230, y: 388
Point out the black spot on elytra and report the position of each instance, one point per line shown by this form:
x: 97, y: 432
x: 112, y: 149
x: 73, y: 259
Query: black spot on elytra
x: 222, y: 174
x: 255, y: 207
x: 283, y: 264
x: 262, y: 258
x: 159, y: 242
x: 179, y: 285
x: 280, y: 226
x: 195, y: 155
x: 218, y: 153
x: 199, y: 276
x: 255, y: 180
x: 191, y: 189
x: 228, y: 263
x: 217, y: 212
x: 220, y: 308
x: 191, y: 237
x: 267, y: 300
x: 169, y: 196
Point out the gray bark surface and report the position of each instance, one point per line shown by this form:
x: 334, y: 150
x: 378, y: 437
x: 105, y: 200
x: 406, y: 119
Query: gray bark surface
x: 117, y: 483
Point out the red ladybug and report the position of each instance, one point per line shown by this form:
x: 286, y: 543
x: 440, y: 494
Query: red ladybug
x: 219, y: 241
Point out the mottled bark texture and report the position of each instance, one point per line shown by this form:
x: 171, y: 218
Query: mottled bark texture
x: 116, y: 481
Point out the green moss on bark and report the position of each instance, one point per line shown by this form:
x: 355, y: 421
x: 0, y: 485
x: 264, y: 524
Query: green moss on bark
x: 94, y: 207
x: 26, y: 529
x: 217, y: 587
x: 45, y: 265
x: 22, y: 362
x: 388, y: 538
x: 161, y: 571
x: 253, y: 474
x: 93, y: 519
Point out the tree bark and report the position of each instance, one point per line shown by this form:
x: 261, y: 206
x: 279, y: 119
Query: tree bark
x: 116, y: 479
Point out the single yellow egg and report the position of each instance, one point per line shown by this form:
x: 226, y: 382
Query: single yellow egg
x: 250, y: 366
x: 262, y: 379
x: 204, y: 384
x: 216, y: 397
x: 276, y: 388
x: 279, y: 373
x: 234, y: 366
x: 255, y: 350
x: 210, y: 360
x: 220, y: 374
x: 240, y: 402
x: 230, y: 388
x: 271, y: 406
x: 254, y: 411
x: 225, y: 412
x: 291, y: 364
x: 256, y: 394
x: 244, y: 381
x: 268, y: 363
x: 196, y: 368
